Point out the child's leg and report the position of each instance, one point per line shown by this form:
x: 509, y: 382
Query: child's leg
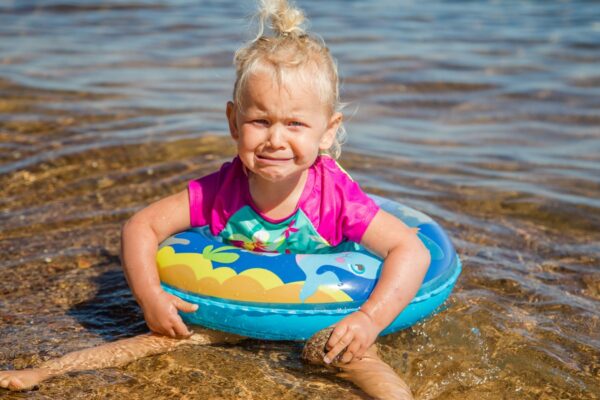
x: 375, y: 377
x: 113, y: 354
x: 370, y: 373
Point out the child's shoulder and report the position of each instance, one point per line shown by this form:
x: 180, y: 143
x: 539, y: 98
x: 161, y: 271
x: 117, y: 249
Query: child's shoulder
x: 335, y: 184
x: 328, y: 166
x: 226, y: 180
x: 345, y: 210
x: 216, y: 196
x: 228, y: 171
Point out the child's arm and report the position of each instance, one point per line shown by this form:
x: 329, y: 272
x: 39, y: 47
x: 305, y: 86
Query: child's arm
x: 140, y: 237
x: 405, y: 263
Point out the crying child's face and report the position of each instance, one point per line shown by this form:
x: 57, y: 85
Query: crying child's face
x: 280, y: 128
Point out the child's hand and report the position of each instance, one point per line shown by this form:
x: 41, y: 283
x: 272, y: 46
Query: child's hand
x: 160, y: 313
x: 355, y: 333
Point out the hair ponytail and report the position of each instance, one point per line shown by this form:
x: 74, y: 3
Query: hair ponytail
x: 281, y: 17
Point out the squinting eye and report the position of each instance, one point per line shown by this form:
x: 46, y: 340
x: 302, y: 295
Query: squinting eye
x: 295, y: 123
x: 261, y: 122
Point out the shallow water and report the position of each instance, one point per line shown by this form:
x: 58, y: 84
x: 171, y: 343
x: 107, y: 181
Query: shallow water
x: 482, y: 114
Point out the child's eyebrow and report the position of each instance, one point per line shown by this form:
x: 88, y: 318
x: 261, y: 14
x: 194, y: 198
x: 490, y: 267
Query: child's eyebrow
x: 297, y: 116
x: 252, y: 110
x: 257, y: 110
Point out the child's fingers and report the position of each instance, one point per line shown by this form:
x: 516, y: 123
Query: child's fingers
x: 341, y: 345
x: 184, y: 305
x: 171, y: 333
x: 180, y: 329
x: 338, y: 332
x: 352, y: 351
x: 159, y: 329
x: 361, y: 352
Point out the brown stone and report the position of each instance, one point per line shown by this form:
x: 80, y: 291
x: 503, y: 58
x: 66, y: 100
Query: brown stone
x: 314, y: 349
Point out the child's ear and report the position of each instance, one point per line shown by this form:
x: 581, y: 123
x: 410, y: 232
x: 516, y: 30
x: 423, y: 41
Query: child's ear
x: 230, y: 112
x: 329, y: 137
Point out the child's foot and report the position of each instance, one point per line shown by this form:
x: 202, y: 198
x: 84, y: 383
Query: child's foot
x: 22, y: 380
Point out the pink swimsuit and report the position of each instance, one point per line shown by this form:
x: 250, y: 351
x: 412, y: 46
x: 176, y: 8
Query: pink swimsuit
x: 332, y: 210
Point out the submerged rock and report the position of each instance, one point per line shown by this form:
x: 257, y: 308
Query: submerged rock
x: 314, y: 349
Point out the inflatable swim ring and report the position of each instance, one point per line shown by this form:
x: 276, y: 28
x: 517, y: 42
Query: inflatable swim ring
x: 292, y: 296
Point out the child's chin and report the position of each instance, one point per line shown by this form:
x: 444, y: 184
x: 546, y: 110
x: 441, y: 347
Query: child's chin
x: 274, y: 178
x: 275, y: 174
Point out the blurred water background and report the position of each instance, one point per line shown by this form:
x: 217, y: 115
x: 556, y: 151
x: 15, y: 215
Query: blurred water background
x: 483, y: 114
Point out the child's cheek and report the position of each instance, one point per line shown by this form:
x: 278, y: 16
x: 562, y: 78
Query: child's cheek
x: 253, y: 135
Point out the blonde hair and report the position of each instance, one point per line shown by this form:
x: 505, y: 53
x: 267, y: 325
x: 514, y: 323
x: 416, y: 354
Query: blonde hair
x: 284, y: 52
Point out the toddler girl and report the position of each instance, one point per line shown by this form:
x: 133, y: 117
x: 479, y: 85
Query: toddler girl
x: 283, y: 192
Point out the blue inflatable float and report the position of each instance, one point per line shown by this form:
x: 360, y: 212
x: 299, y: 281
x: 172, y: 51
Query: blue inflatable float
x: 292, y: 296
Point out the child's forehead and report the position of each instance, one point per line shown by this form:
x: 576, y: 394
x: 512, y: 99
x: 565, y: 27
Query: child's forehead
x: 286, y: 79
x: 258, y: 84
x: 263, y: 88
x: 305, y: 82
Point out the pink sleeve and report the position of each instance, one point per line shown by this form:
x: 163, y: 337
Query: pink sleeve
x: 356, y: 209
x: 337, y: 205
x: 202, y: 193
x: 216, y: 197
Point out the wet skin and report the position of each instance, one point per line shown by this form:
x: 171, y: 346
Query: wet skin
x: 370, y: 373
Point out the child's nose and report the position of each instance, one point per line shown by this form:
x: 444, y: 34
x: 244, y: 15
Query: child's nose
x: 276, y: 136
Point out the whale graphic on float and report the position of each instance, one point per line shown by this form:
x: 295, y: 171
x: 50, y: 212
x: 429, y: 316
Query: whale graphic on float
x: 333, y: 269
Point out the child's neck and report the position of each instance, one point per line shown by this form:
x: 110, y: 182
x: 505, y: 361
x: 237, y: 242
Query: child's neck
x: 277, y: 200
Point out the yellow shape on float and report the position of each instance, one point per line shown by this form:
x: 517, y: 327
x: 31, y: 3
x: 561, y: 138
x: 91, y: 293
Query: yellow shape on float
x: 194, y: 273
x: 200, y: 266
x: 266, y: 278
x: 179, y: 276
x: 243, y: 288
x: 335, y: 294
x: 289, y: 293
